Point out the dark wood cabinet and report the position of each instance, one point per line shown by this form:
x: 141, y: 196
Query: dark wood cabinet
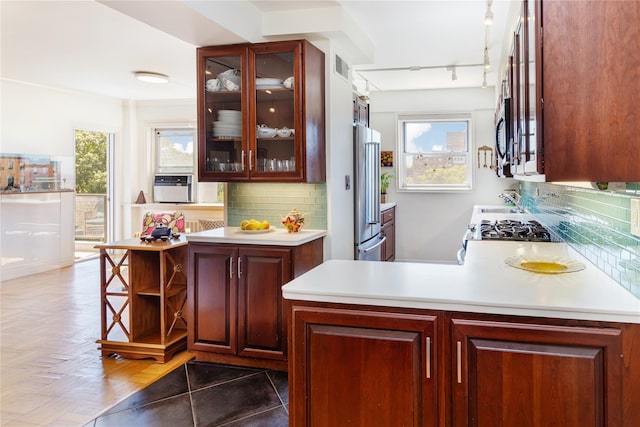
x: 235, y: 300
x: 362, y: 368
x: 509, y: 374
x: 360, y: 110
x: 578, y: 118
x: 526, y: 157
x: 245, y: 93
x: 394, y: 366
x: 388, y: 230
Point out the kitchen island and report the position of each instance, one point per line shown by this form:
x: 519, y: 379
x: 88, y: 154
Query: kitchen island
x: 235, y: 309
x: 483, y: 343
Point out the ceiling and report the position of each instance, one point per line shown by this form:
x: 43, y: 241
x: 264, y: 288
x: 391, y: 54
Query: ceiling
x: 95, y: 46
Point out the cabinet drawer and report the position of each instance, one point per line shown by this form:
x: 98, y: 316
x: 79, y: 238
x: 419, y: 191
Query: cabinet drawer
x: 388, y: 216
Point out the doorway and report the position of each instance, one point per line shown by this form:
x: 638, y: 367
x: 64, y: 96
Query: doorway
x: 93, y: 217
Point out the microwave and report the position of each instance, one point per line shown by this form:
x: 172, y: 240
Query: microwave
x: 172, y: 188
x: 504, y: 139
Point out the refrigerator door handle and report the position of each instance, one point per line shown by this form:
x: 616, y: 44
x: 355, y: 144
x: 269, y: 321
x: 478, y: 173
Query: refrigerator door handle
x: 374, y: 247
x: 372, y: 201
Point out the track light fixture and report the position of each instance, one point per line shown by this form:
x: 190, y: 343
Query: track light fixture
x: 452, y: 68
x: 486, y: 62
x: 488, y: 17
x: 484, y: 79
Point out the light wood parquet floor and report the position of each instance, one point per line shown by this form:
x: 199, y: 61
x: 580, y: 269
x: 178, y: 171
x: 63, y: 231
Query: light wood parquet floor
x: 51, y: 371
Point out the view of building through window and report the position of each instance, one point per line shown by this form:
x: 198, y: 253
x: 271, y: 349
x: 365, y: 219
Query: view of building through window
x: 175, y: 154
x: 434, y: 153
x: 175, y: 150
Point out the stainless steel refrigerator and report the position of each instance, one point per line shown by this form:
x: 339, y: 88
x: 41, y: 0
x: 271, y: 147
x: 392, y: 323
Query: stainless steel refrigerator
x: 366, y: 185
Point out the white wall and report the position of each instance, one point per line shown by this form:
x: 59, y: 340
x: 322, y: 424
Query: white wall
x: 429, y: 226
x: 41, y: 120
x: 339, y: 148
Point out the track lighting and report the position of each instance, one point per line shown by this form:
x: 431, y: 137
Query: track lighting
x: 486, y: 62
x: 484, y: 80
x: 452, y: 68
x: 488, y: 17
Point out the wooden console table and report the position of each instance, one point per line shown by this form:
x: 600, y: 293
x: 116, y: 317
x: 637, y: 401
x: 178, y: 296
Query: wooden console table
x: 143, y: 291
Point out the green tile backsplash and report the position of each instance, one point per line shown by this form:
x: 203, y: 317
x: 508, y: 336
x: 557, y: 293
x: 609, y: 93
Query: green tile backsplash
x: 271, y: 201
x: 595, y: 223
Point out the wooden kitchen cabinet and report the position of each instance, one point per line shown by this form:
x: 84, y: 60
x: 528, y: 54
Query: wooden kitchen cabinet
x: 235, y: 300
x: 349, y: 362
x: 580, y: 118
x: 250, y: 93
x: 509, y: 374
x: 362, y: 368
x: 388, y: 229
x: 360, y: 110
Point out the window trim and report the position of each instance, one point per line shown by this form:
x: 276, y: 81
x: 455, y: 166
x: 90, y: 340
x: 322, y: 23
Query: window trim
x: 467, y: 116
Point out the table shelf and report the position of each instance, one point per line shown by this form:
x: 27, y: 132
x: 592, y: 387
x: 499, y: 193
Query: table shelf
x: 144, y: 318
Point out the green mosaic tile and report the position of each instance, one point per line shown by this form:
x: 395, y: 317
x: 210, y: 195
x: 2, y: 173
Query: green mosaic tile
x: 270, y: 201
x: 595, y: 223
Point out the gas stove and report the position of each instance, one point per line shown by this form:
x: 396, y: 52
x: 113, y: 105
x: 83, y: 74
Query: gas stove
x: 505, y: 230
x: 508, y: 229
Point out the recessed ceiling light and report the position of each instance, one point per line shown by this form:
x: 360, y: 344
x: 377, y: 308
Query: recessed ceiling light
x: 150, y: 77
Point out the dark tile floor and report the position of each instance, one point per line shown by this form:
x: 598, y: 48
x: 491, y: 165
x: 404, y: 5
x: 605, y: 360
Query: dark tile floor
x: 205, y: 394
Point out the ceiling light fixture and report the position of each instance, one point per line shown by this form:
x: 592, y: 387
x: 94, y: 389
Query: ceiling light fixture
x: 488, y: 17
x: 484, y: 80
x: 150, y: 77
x: 486, y: 62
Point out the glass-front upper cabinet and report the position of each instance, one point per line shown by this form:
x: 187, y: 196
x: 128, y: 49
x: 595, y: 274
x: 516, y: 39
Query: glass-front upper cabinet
x: 261, y: 113
x: 221, y: 105
x: 274, y: 119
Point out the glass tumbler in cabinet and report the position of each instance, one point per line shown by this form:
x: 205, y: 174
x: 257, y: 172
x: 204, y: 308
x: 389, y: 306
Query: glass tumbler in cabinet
x: 275, y: 119
x: 222, y: 125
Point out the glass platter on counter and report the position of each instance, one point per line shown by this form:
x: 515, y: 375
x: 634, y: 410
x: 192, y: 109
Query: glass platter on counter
x: 545, y: 264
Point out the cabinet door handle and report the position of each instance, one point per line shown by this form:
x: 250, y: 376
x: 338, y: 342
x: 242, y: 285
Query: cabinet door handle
x: 428, y: 357
x: 231, y: 268
x: 250, y: 160
x: 459, y: 361
x: 239, y: 267
x: 243, y: 157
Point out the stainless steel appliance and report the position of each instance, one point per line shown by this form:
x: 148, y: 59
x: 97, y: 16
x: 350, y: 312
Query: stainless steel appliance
x: 172, y: 189
x: 366, y: 184
x: 506, y: 229
x: 504, y: 139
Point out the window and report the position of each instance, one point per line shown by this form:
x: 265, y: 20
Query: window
x: 434, y: 152
x: 175, y: 150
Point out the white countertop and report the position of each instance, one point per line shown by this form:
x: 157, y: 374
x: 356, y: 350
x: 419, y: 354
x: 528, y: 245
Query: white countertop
x: 385, y: 206
x: 275, y: 236
x: 484, y: 284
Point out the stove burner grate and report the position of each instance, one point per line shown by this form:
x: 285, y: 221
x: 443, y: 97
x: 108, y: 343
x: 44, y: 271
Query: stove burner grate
x: 531, y: 231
